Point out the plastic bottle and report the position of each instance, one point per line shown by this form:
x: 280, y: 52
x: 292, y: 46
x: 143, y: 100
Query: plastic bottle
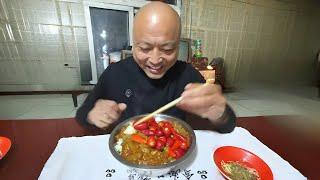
x: 198, y: 49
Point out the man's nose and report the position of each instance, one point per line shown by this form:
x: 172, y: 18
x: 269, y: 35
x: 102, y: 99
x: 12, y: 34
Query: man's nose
x: 155, y: 57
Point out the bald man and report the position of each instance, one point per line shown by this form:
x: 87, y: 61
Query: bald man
x: 153, y: 78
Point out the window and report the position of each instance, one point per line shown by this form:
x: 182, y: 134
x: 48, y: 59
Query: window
x: 172, y: 2
x: 109, y: 29
x: 185, y: 50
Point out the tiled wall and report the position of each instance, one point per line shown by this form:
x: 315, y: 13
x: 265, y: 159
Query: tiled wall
x: 37, y: 38
x: 259, y: 39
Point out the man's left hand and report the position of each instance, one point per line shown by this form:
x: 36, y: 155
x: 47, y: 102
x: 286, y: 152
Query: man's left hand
x: 204, y: 100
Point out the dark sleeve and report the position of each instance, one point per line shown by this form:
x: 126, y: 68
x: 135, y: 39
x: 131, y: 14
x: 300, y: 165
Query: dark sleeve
x: 229, y: 121
x: 228, y: 118
x: 94, y: 95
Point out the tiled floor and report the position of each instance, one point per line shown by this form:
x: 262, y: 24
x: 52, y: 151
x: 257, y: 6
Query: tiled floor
x: 37, y: 106
x: 254, y: 101
x: 270, y: 100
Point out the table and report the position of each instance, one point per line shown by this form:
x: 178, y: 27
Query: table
x: 35, y: 140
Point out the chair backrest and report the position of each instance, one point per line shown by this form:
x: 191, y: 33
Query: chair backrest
x: 218, y: 64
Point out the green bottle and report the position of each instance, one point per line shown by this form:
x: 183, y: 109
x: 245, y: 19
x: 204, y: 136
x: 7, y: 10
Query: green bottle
x: 198, y: 50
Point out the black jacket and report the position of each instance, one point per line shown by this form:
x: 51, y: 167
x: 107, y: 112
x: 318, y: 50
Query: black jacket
x: 125, y: 82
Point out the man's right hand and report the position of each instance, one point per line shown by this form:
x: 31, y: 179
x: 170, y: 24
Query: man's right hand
x: 105, y: 112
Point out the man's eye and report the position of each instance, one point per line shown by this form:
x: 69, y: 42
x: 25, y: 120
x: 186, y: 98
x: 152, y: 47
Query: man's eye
x: 145, y: 50
x: 168, y: 51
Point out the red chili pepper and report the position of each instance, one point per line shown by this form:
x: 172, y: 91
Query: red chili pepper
x: 139, y: 139
x: 179, y: 136
x: 170, y: 142
x: 148, y: 132
x: 141, y: 126
x: 163, y: 139
x: 184, y: 145
x: 151, y: 141
x: 179, y: 153
x: 166, y: 131
x: 176, y: 145
x: 152, y: 123
x: 160, y: 145
x: 171, y: 153
x: 159, y: 132
x: 153, y: 128
x: 184, y: 141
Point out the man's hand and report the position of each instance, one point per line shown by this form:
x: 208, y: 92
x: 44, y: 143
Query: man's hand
x: 206, y: 101
x: 105, y: 112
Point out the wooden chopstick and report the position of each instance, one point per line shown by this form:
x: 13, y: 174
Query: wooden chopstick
x: 160, y: 110
x: 167, y: 106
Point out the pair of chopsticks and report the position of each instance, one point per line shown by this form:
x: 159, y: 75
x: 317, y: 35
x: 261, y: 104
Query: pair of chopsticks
x: 169, y: 105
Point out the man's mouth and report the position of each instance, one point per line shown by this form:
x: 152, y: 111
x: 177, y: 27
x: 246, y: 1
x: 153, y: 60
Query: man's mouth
x: 155, y: 69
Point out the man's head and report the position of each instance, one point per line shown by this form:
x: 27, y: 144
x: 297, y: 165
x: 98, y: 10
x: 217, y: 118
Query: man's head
x: 156, y: 36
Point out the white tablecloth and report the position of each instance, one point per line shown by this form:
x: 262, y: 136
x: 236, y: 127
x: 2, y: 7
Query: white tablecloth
x: 89, y: 158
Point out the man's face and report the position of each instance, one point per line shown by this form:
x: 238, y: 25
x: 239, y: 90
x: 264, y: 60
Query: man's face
x: 155, y: 50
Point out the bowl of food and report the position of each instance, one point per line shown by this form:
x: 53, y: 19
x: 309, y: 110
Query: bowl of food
x: 239, y: 164
x: 153, y: 147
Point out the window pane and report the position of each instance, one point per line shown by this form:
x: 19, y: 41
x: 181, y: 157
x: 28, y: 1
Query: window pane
x: 110, y: 29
